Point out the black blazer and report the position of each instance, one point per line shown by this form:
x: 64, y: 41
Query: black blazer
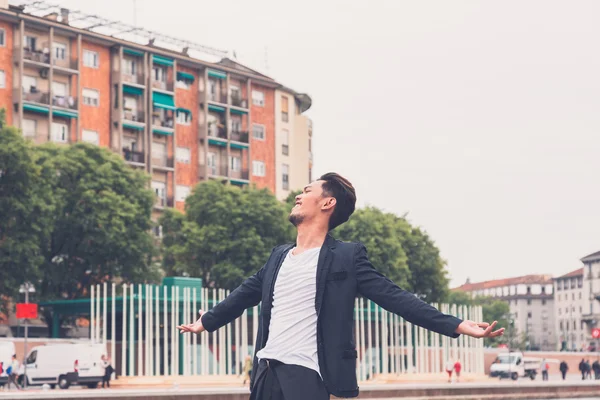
x: 343, y: 273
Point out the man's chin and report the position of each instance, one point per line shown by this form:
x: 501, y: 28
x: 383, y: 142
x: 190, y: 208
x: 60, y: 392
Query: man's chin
x: 295, y: 219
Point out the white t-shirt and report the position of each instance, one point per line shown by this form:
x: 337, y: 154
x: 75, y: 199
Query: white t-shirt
x: 293, y: 327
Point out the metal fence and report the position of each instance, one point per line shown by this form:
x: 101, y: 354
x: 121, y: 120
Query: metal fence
x: 140, y: 321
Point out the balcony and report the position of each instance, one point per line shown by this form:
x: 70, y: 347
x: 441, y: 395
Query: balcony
x: 243, y: 174
x: 163, y: 122
x: 217, y: 170
x: 163, y: 162
x: 166, y: 86
x: 220, y: 133
x: 37, y: 56
x: 134, y: 116
x: 66, y: 63
x: 69, y: 102
x: 217, y: 98
x: 162, y: 202
x: 238, y: 101
x: 137, y: 79
x: 133, y: 156
x: 240, y: 136
x: 35, y: 96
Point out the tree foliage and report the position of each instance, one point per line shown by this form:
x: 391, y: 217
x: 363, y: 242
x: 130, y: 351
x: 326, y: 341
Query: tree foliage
x: 226, y: 234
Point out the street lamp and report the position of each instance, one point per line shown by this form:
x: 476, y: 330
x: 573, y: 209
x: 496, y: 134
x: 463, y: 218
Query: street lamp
x: 26, y: 288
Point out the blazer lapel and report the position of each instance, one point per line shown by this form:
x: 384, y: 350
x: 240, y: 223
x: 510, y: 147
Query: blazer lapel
x: 325, y: 257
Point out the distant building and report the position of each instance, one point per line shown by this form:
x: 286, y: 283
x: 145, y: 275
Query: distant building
x: 531, y: 303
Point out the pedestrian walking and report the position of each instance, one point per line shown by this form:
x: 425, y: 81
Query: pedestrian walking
x: 449, y: 370
x: 588, y: 370
x: 564, y: 367
x: 544, y: 368
x: 108, y: 370
x: 13, y: 373
x: 582, y: 369
x: 307, y: 291
x: 247, y: 372
x: 457, y: 368
x: 596, y: 369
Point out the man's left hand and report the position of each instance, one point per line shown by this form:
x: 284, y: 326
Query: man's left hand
x: 479, y: 329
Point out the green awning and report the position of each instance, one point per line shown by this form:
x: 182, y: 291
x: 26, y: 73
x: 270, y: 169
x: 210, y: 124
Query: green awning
x: 136, y: 91
x: 64, y: 113
x: 132, y: 52
x: 217, y: 74
x: 238, y: 182
x: 239, y: 146
x: 238, y: 112
x: 162, y: 100
x: 183, y: 110
x: 34, y: 108
x: 127, y: 125
x: 212, y: 107
x: 217, y: 143
x: 159, y: 131
x: 181, y: 76
x: 162, y: 60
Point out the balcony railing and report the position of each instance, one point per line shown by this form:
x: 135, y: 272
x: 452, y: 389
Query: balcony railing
x: 217, y: 132
x: 218, y: 97
x: 163, y: 122
x: 238, y: 101
x: 133, y: 156
x: 65, y: 102
x: 137, y: 78
x: 217, y: 170
x: 35, y: 96
x: 167, y: 86
x: 165, y: 162
x: 135, y: 116
x: 36, y: 55
x: 163, y: 202
x: 66, y: 63
x: 241, y: 136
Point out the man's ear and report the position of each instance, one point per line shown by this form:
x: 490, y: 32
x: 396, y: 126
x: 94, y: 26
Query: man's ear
x: 329, y: 203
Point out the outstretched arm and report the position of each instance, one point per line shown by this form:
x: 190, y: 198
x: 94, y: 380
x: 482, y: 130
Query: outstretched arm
x: 375, y: 286
x: 247, y: 295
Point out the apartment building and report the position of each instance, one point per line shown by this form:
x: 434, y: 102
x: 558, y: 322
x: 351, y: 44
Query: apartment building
x: 531, y: 303
x: 578, y: 305
x: 181, y: 119
x: 293, y: 144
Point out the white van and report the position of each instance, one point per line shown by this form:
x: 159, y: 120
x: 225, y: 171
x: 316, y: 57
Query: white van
x: 65, y: 365
x: 7, y: 349
x: 514, y: 365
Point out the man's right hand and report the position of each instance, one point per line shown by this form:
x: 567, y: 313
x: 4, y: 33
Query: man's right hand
x: 196, y: 327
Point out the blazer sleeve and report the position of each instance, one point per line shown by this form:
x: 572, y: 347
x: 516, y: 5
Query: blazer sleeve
x: 378, y: 288
x: 247, y: 295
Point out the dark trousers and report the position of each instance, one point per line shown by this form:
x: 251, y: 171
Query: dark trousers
x: 277, y: 381
x: 545, y: 375
x: 564, y: 374
x: 106, y: 380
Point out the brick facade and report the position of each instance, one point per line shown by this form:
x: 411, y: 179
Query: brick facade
x: 96, y: 118
x: 6, y: 65
x: 264, y: 150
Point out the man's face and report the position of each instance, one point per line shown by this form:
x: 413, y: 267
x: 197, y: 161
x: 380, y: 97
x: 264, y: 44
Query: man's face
x: 309, y: 203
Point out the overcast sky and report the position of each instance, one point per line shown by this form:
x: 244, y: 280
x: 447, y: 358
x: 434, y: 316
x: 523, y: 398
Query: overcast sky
x: 479, y: 119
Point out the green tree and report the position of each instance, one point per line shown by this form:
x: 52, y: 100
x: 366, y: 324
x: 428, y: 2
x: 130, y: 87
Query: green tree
x: 459, y: 298
x: 226, y: 234
x: 428, y: 275
x: 381, y: 234
x: 101, y: 211
x: 24, y: 212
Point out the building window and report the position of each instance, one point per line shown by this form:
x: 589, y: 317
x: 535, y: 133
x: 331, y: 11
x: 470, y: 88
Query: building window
x: 529, y: 314
x: 558, y: 285
x: 559, y: 311
x: 29, y: 84
x: 258, y: 132
x: 90, y: 137
x: 183, y: 155
x: 580, y: 310
x: 572, y: 296
x: 129, y: 66
x: 91, y: 97
x: 158, y: 231
x: 235, y: 163
x: 159, y: 74
x: 30, y: 43
x: 184, y: 118
x: 543, y: 302
x: 29, y: 127
x: 60, y: 132
x: 285, y: 142
x: 236, y: 124
x: 528, y: 302
x: 60, y: 51
x: 560, y: 325
x: 258, y: 98
x: 181, y: 192
x: 579, y: 295
x: 211, y: 162
x: 285, y: 176
x: 285, y: 117
x: 258, y: 168
x: 2, y: 37
x: 59, y: 89
x: 160, y: 189
x: 2, y: 79
x: 579, y: 282
x: 91, y: 59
